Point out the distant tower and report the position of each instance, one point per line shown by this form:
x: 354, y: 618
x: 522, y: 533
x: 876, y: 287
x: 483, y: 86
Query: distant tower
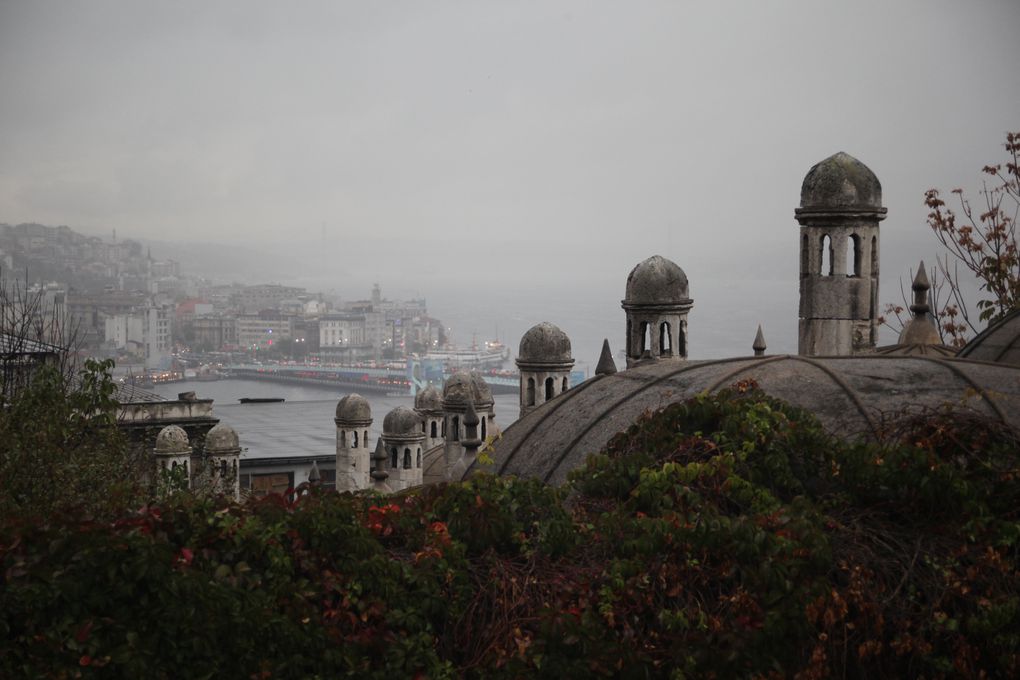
x: 428, y: 404
x: 223, y: 454
x: 840, y: 208
x: 404, y: 443
x: 544, y: 362
x: 376, y: 296
x: 353, y: 457
x: 657, y: 303
x: 462, y: 388
x: 173, y: 453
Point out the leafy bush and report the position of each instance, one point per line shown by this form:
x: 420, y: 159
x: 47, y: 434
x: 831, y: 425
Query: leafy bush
x: 725, y: 536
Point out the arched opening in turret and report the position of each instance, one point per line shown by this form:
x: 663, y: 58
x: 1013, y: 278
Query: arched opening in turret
x: 355, y: 439
x: 407, y: 459
x: 393, y: 457
x: 646, y: 337
x: 419, y: 457
x: 343, y: 438
x: 364, y: 439
x: 566, y: 385
x: 665, y: 340
x: 223, y: 469
x: 805, y: 253
x: 826, y: 269
x: 530, y: 396
x: 484, y: 433
x: 630, y: 337
x: 874, y: 256
x: 681, y: 341
x: 455, y: 425
x: 549, y: 389
x: 853, y: 255
x: 432, y: 430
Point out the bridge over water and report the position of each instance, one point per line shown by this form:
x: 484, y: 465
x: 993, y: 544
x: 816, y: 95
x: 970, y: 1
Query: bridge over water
x: 405, y: 380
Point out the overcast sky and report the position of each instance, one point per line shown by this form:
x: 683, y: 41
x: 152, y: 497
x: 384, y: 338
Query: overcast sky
x: 554, y: 136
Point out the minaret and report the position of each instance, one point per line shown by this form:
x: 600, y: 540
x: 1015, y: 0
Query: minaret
x: 544, y: 362
x: 353, y: 419
x: 656, y: 304
x: 403, y: 440
x: 223, y: 455
x: 173, y: 457
x: 920, y: 330
x: 840, y: 208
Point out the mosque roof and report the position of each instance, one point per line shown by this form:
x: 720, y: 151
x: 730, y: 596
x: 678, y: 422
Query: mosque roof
x: 841, y: 182
x: 657, y: 281
x: 545, y: 343
x: 849, y: 395
x: 999, y: 343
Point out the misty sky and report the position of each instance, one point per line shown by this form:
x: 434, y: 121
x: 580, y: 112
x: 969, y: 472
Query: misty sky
x: 557, y: 142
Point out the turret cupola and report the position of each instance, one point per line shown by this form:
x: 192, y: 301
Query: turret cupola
x: 544, y: 361
x: 657, y: 303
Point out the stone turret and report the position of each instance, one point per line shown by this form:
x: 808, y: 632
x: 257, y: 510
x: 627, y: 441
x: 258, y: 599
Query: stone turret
x: 403, y: 441
x: 173, y: 455
x: 353, y: 420
x: 428, y: 404
x: 840, y: 208
x: 223, y: 455
x: 657, y: 303
x: 544, y: 362
x: 462, y: 388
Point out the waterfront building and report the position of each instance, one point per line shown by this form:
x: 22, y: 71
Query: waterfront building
x: 263, y: 330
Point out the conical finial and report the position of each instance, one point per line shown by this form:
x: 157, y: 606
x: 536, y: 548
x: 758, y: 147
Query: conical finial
x: 313, y: 474
x: 606, y: 365
x: 759, y: 343
x: 920, y: 287
x: 379, y: 473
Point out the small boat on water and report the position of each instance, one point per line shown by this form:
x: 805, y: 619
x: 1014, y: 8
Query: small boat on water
x: 260, y: 400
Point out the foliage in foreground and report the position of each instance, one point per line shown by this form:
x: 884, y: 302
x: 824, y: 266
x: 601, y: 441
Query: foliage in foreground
x: 726, y: 536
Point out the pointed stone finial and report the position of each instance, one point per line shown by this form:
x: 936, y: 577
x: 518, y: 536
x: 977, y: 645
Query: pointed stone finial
x: 606, y: 365
x: 920, y: 287
x: 759, y: 343
x: 379, y: 473
x: 313, y: 475
x: 920, y: 330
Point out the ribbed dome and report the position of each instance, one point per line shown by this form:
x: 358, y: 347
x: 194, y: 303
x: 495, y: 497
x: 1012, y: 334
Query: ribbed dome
x: 657, y: 281
x: 428, y: 399
x: 841, y: 181
x: 401, y: 421
x: 545, y: 342
x: 221, y: 438
x: 999, y: 343
x: 353, y: 408
x: 172, y: 439
x: 464, y: 386
x: 849, y: 395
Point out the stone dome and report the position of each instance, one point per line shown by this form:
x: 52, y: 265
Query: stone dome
x: 353, y: 408
x: 841, y: 182
x: 849, y: 395
x: 428, y: 399
x: 172, y: 439
x: 465, y: 386
x: 222, y: 437
x: 401, y: 421
x: 657, y: 281
x: 545, y: 343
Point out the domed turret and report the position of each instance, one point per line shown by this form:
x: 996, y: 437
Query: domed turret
x: 222, y: 437
x: 223, y: 452
x: 544, y: 362
x: 840, y: 208
x: 465, y: 386
x: 353, y: 408
x: 402, y: 439
x: 656, y: 304
x: 841, y: 182
x: 428, y: 399
x: 172, y: 439
x: 401, y: 421
x: 544, y: 343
